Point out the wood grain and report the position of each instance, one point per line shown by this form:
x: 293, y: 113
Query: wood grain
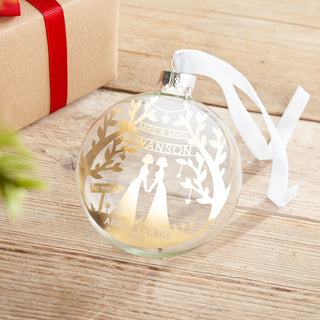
x: 265, y: 262
x: 263, y: 265
x: 276, y: 45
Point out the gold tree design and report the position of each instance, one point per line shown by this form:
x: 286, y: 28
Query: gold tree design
x: 197, y: 183
x: 112, y: 142
x: 198, y: 138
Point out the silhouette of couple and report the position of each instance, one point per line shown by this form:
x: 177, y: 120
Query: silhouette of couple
x: 158, y: 215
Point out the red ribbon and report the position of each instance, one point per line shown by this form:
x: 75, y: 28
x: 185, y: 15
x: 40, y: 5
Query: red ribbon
x: 9, y: 8
x: 57, y: 48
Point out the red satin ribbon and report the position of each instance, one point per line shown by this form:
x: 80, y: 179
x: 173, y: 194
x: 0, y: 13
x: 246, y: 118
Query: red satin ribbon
x: 57, y: 48
x: 9, y: 8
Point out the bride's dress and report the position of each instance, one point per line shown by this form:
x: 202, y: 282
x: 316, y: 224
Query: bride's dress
x: 127, y: 206
x: 158, y: 214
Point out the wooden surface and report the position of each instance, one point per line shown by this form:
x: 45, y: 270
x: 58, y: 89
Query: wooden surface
x: 275, y: 44
x: 265, y: 263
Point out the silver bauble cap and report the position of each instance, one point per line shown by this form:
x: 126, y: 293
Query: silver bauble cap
x: 177, y: 83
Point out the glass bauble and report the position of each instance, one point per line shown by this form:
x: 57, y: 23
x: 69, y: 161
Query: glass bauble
x: 159, y: 173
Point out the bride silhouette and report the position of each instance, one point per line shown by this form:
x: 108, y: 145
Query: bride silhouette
x: 158, y: 215
x: 127, y: 207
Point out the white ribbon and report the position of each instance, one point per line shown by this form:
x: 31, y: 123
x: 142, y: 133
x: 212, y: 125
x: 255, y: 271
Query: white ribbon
x: 198, y: 62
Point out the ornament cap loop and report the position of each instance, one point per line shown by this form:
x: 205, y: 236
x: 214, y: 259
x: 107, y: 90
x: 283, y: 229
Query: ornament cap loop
x: 176, y: 83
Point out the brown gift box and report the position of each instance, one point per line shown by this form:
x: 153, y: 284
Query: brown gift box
x: 92, y: 45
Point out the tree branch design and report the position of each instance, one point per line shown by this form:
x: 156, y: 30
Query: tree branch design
x: 112, y: 141
x: 197, y: 183
x: 198, y: 138
x: 219, y: 145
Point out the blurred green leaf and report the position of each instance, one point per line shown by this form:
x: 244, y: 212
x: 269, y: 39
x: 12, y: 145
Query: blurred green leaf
x: 13, y: 197
x: 16, y: 165
x: 8, y: 138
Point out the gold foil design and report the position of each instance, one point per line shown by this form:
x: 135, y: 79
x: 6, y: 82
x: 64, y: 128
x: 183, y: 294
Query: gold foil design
x: 105, y: 188
x: 162, y: 132
x: 197, y: 137
x: 142, y: 235
x: 116, y: 139
x: 159, y: 146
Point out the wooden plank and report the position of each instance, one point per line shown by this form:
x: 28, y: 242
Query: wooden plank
x: 276, y: 46
x: 299, y: 12
x: 264, y: 264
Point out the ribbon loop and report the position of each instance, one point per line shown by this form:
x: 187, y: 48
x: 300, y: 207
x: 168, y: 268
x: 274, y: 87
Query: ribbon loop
x: 198, y: 62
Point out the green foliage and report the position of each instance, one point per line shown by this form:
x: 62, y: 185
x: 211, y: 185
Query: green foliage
x: 15, y: 167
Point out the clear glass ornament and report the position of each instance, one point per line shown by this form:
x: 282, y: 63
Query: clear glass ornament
x: 159, y: 173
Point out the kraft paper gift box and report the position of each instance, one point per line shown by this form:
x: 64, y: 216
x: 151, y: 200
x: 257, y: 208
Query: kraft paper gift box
x: 91, y: 34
